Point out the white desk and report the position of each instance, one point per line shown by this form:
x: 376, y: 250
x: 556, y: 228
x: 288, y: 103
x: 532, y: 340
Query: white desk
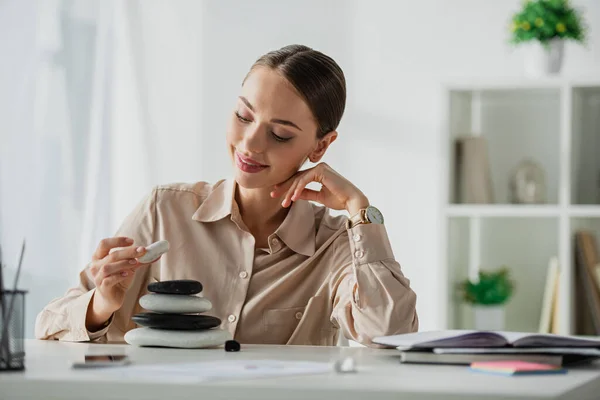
x: 380, y: 376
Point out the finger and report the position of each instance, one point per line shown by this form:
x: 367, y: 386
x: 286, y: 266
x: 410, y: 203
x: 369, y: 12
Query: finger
x: 281, y: 188
x: 125, y: 254
x: 115, y: 268
x: 100, y: 268
x: 127, y: 264
x: 301, y: 185
x: 107, y: 244
x: 287, y: 199
x: 117, y: 278
x: 310, y: 195
x: 94, y: 267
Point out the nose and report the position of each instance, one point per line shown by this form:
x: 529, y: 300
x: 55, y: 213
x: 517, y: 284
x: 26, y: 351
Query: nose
x: 254, y: 139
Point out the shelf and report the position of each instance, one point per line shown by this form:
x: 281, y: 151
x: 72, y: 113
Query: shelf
x: 503, y: 210
x: 525, y: 246
x: 493, y: 125
x: 511, y: 125
x: 521, y: 211
x: 585, y: 211
x: 585, y: 142
x: 519, y: 83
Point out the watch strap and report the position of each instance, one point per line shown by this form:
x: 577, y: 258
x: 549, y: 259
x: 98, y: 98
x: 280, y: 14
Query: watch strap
x: 359, y: 218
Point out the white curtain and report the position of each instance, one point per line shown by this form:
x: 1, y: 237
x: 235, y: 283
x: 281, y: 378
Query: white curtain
x: 55, y: 141
x: 56, y: 188
x: 89, y: 92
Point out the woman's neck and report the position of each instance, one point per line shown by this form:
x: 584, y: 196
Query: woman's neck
x: 261, y: 213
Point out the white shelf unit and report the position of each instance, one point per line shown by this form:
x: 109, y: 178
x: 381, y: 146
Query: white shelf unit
x: 556, y: 121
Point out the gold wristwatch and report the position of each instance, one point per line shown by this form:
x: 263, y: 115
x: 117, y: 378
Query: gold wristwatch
x: 369, y: 215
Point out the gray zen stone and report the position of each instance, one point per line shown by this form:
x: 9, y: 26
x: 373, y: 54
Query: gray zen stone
x: 175, y: 303
x: 177, y: 339
x: 181, y: 286
x: 176, y: 321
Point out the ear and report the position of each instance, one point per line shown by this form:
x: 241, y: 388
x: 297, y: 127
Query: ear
x: 322, y: 146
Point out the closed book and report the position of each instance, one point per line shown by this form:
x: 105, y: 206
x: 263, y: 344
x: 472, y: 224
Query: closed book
x: 516, y: 367
x: 427, y: 357
x: 473, y: 176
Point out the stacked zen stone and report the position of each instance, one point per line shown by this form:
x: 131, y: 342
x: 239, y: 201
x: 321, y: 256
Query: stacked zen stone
x: 175, y: 320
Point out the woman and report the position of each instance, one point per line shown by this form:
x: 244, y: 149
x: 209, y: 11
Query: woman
x: 277, y: 268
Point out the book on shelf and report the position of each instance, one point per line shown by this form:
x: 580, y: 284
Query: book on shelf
x: 549, y: 314
x: 473, y: 183
x: 587, y: 321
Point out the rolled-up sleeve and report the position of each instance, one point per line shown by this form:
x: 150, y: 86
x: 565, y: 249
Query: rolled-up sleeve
x: 64, y: 317
x: 370, y: 294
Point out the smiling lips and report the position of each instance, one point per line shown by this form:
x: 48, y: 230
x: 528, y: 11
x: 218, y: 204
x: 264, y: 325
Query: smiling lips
x: 247, y: 164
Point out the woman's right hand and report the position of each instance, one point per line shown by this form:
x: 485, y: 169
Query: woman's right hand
x: 113, y: 273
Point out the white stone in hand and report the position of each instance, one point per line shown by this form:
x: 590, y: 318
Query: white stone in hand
x: 154, y: 251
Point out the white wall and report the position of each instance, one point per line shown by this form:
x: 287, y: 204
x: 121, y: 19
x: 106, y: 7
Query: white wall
x: 395, y: 55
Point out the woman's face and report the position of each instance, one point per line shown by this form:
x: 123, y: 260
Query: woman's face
x: 271, y: 131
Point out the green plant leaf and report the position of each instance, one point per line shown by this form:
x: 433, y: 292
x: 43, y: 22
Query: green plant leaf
x: 560, y: 20
x: 493, y: 288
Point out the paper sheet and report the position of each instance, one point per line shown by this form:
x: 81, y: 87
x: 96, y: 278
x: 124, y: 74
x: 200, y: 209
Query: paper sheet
x: 216, y: 370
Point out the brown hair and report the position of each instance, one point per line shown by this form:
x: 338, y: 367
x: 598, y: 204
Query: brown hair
x: 317, y: 78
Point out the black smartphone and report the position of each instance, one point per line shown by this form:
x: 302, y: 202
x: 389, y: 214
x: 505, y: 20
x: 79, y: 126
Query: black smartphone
x: 102, y: 361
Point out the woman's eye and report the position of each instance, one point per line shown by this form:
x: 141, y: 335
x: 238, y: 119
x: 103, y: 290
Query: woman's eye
x: 275, y: 136
x: 279, y: 138
x: 237, y: 114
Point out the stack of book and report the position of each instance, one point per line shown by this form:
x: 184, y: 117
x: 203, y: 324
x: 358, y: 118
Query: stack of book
x: 464, y: 347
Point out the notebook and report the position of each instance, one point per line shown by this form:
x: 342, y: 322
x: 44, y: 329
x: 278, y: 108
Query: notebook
x: 516, y: 367
x: 477, y: 339
x: 427, y: 357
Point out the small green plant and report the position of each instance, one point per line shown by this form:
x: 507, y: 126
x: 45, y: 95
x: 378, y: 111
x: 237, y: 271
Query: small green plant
x: 493, y: 288
x: 544, y: 20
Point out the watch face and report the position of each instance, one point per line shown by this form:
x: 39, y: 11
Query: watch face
x: 374, y: 215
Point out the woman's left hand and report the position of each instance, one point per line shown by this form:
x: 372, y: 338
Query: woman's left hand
x: 336, y: 192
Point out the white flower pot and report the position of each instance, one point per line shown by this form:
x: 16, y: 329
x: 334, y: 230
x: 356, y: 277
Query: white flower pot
x: 488, y: 318
x: 543, y: 60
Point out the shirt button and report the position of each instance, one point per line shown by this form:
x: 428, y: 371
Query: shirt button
x: 298, y: 315
x: 243, y: 274
x: 357, y: 237
x: 275, y: 241
x: 231, y: 318
x: 359, y: 254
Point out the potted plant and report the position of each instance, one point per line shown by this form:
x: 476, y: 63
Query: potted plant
x: 488, y: 297
x: 542, y: 27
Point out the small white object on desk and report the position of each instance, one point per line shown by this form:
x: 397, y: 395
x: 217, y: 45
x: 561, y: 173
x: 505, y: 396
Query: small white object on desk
x: 345, y: 365
x: 154, y: 251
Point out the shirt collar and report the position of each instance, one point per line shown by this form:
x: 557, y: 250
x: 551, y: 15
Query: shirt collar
x: 297, y: 230
x: 219, y: 202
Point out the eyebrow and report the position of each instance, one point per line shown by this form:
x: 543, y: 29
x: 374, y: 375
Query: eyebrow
x: 275, y: 121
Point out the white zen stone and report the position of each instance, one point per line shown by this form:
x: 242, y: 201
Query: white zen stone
x: 175, y: 303
x: 177, y: 339
x: 154, y: 251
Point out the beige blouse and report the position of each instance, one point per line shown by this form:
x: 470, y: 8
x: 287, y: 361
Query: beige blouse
x: 316, y: 280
